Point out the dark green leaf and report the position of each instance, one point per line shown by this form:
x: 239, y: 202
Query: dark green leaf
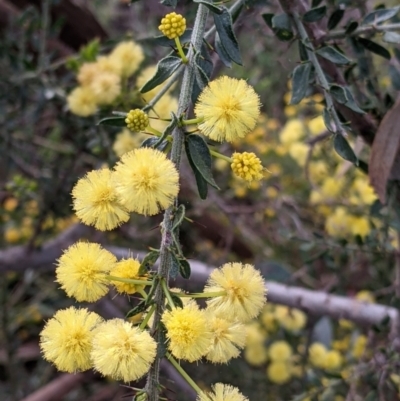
x: 339, y: 93
x: 202, y: 185
x: 343, y: 149
x: 179, y: 215
x: 391, y: 37
x: 169, y: 3
x: 381, y: 15
x: 148, y: 262
x: 90, y: 51
x: 331, y: 54
x: 351, y: 103
x: 223, y: 24
x: 222, y: 53
x: 210, y: 5
x: 165, y: 42
x: 200, y: 75
x: 204, y: 62
x: 152, y: 142
x: 315, y: 3
x: 113, y: 121
x: 282, y: 27
x: 177, y: 300
x: 374, y: 47
x: 335, y: 18
x: 175, y: 266
x: 165, y: 68
x: 351, y: 27
x: 184, y: 268
x: 329, y: 124
x: 201, y: 157
x: 168, y: 130
x: 140, y: 307
x: 268, y: 19
x: 363, y: 166
x: 395, y: 77
x: 300, y: 78
x: 315, y: 14
x: 302, y: 51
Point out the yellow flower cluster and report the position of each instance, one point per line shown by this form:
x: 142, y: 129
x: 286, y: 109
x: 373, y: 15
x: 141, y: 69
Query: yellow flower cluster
x: 173, y: 25
x: 137, y: 120
x: 247, y: 166
x: 100, y: 81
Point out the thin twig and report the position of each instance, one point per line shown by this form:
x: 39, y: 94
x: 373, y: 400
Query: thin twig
x: 366, y: 29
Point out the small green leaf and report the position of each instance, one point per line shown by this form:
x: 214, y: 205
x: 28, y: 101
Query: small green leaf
x: 267, y: 17
x: 140, y: 307
x: 165, y: 68
x: 351, y: 27
x: 205, y: 65
x: 343, y: 149
x: 177, y: 300
x: 300, y: 80
x: 329, y: 124
x: 202, y: 185
x: 184, y: 268
x: 381, y: 15
x: 338, y: 93
x: 200, y: 75
x: 315, y: 14
x: 335, y: 18
x: 302, y: 51
x: 395, y: 77
x: 90, y: 51
x: 169, y: 3
x: 175, y: 266
x: 179, y: 215
x: 351, y: 102
x: 331, y: 54
x: 168, y: 130
x: 374, y: 47
x: 148, y: 262
x: 199, y: 152
x: 282, y: 27
x: 152, y: 142
x: 391, y: 37
x: 222, y: 53
x: 223, y: 24
x: 210, y: 5
x: 113, y: 121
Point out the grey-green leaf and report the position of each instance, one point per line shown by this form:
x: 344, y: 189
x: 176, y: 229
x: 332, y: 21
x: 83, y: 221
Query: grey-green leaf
x: 113, y: 121
x: 148, y: 262
x: 343, y: 149
x: 202, y: 185
x: 391, y: 37
x: 338, y: 93
x: 331, y: 54
x: 169, y: 3
x: 165, y: 68
x: 179, y: 215
x: 381, y: 15
x: 222, y: 53
x: 282, y: 27
x: 300, y: 79
x: 315, y: 14
x: 223, y: 24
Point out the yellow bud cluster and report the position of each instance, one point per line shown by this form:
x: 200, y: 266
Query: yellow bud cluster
x: 173, y: 25
x: 247, y: 166
x: 137, y: 120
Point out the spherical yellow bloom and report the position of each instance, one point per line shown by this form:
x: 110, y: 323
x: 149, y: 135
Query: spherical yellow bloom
x: 293, y: 131
x: 122, y: 351
x: 82, y: 101
x: 333, y: 360
x: 247, y: 166
x: 109, y: 64
x: 279, y: 372
x: 256, y: 355
x: 316, y: 126
x: 299, y: 152
x: 360, y: 226
x: 88, y: 73
x: 137, y: 120
x: 125, y: 141
x: 129, y: 56
x: 229, y: 108
x: 245, y: 291
x: 106, y: 87
x: 188, y: 332
x: 66, y: 339
x: 81, y: 271
x: 126, y: 268
x: 173, y: 25
x: 255, y: 333
x: 96, y: 202
x: 339, y: 223
x: 222, y: 392
x: 365, y: 296
x: 290, y: 319
x: 365, y: 192
x: 317, y: 354
x: 227, y: 339
x: 12, y: 235
x: 359, y: 346
x: 332, y: 187
x: 280, y: 351
x: 146, y: 181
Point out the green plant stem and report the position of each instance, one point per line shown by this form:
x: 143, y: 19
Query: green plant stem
x: 180, y: 51
x: 152, y: 385
x: 153, y: 130
x: 179, y: 368
x: 201, y: 294
x: 220, y: 156
x: 366, y: 29
x: 147, y: 317
x: 320, y: 73
x: 128, y: 280
x: 193, y: 121
x: 167, y: 294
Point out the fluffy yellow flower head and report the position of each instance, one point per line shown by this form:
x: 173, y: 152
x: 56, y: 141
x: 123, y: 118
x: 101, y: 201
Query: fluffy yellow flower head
x: 66, y: 339
x: 82, y: 101
x: 126, y: 268
x: 247, y: 166
x: 245, y: 291
x: 256, y: 354
x: 293, y: 131
x: 317, y: 354
x: 122, y: 351
x: 229, y: 108
x: 278, y: 372
x: 106, y: 87
x: 360, y: 226
x: 228, y: 338
x: 87, y: 73
x: 125, y: 141
x: 222, y: 392
x: 290, y: 319
x: 280, y: 351
x: 137, y: 120
x: 129, y: 56
x: 81, y: 271
x: 173, y: 25
x: 96, y: 202
x: 188, y: 332
x: 333, y: 360
x: 108, y: 64
x: 146, y: 181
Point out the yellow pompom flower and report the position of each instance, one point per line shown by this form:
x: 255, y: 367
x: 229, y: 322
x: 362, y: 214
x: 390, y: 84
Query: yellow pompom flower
x: 293, y: 131
x: 222, y: 392
x: 279, y: 372
x: 122, y: 351
x: 146, y: 181
x: 299, y: 152
x: 247, y: 166
x: 229, y: 108
x: 129, y: 56
x: 126, y: 268
x: 333, y: 360
x: 88, y: 73
x: 290, y: 319
x: 96, y: 202
x: 66, y: 339
x: 317, y: 354
x: 12, y: 235
x: 188, y: 332
x: 82, y: 101
x: 108, y: 64
x: 81, y: 271
x: 280, y: 351
x: 245, y: 291
x: 227, y: 339
x: 173, y: 25
x: 360, y: 226
x: 106, y: 87
x: 256, y: 354
x: 137, y: 120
